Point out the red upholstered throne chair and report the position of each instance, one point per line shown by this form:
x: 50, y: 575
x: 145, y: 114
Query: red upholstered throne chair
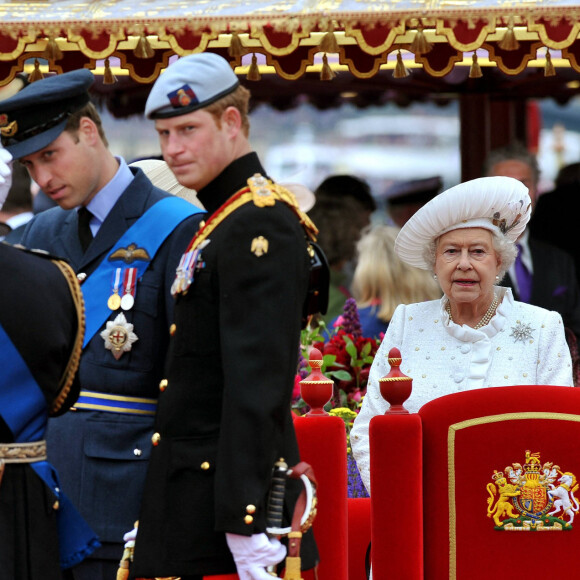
x: 477, y: 485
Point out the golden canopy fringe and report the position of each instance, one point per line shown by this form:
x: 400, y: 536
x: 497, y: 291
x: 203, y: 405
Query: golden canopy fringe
x: 420, y: 44
x: 509, y: 40
x: 328, y: 43
x: 52, y: 51
x: 400, y: 71
x: 253, y: 71
x: 143, y: 48
x: 326, y: 73
x: 36, y: 74
x: 475, y: 69
x: 236, y: 48
x: 109, y: 77
x: 549, y: 70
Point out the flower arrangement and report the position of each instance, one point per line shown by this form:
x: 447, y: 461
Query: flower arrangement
x: 347, y: 357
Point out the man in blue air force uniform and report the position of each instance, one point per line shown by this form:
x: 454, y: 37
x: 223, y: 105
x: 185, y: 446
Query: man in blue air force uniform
x: 124, y: 238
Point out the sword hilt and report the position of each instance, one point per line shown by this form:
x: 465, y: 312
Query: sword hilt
x: 275, y: 511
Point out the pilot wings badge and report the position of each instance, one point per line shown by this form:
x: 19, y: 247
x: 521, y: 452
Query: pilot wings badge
x: 532, y: 496
x: 130, y: 254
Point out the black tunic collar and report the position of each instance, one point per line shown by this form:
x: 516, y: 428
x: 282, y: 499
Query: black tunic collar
x: 229, y: 181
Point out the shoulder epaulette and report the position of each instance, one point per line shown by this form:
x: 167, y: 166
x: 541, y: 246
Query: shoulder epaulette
x: 263, y: 193
x: 35, y: 252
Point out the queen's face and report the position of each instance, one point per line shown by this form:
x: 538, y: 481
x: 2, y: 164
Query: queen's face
x: 466, y: 265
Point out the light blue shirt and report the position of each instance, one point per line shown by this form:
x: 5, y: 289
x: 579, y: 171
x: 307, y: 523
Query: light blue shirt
x: 106, y: 198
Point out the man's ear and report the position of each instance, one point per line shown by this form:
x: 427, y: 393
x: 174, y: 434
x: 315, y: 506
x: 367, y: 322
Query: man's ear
x: 232, y: 120
x: 88, y: 129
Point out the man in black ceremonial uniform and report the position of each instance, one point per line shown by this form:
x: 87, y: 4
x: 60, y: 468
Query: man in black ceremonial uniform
x: 224, y: 416
x: 41, y: 335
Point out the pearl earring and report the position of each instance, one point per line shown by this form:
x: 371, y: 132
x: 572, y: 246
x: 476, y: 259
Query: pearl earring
x: 434, y: 276
x: 497, y: 278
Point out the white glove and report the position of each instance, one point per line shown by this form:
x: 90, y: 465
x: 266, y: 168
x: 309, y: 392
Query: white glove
x: 5, y: 174
x: 252, y: 554
x: 129, y: 538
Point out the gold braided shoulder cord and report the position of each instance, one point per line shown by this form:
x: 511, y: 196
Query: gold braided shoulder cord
x: 277, y: 193
x: 214, y: 222
x: 75, y: 357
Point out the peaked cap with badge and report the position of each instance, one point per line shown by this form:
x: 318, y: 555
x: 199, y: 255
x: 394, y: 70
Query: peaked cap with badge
x: 34, y: 117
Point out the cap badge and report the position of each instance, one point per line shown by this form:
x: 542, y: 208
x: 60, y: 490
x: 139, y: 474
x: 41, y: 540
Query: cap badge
x: 119, y: 336
x: 182, y: 97
x: 130, y: 254
x: 532, y: 496
x: 259, y: 246
x: 8, y: 129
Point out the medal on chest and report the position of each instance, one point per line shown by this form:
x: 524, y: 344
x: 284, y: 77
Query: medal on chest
x: 190, y: 263
x: 119, y: 336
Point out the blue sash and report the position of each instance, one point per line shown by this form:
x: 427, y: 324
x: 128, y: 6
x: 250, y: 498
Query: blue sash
x: 150, y: 231
x: 23, y: 408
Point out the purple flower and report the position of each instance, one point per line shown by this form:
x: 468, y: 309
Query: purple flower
x: 351, y: 320
x: 356, y: 487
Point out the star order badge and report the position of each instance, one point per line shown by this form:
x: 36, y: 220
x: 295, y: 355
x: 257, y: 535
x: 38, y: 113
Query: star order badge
x: 119, y: 336
x: 522, y: 332
x: 532, y: 496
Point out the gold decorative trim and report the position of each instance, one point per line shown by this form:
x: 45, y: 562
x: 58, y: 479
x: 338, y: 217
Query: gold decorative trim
x: 356, y: 33
x: 75, y: 356
x: 453, y: 429
x: 530, y: 55
x: 449, y: 34
x: 259, y: 34
x: 114, y: 38
x: 544, y: 37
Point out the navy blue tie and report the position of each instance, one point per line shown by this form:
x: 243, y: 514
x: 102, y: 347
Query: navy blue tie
x: 85, y: 234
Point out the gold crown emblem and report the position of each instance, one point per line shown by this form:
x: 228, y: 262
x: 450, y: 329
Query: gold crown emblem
x: 497, y: 475
x: 532, y: 464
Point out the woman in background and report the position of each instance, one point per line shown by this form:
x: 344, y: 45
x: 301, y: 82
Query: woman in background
x: 382, y: 280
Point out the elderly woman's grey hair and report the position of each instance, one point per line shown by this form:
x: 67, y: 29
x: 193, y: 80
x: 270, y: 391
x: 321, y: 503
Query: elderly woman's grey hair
x: 504, y: 247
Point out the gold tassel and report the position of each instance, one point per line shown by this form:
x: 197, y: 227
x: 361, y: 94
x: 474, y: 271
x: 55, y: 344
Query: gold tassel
x: 36, y: 74
x: 475, y: 70
x: 52, y: 51
x: 108, y: 77
x: 549, y: 70
x: 143, y: 48
x: 254, y: 71
x: 328, y: 43
x: 236, y: 48
x: 400, y: 71
x: 509, y: 40
x: 420, y: 44
x: 326, y: 73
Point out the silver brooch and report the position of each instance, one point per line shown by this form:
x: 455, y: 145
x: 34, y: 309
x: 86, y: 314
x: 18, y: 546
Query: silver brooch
x: 522, y: 332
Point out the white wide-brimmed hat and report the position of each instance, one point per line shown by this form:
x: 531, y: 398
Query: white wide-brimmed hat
x: 499, y: 204
x: 162, y: 177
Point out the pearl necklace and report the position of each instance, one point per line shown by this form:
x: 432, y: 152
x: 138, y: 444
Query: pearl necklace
x: 486, y: 317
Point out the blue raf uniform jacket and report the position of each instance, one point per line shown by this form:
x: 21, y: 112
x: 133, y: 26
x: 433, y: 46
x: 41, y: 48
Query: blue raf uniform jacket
x: 102, y: 456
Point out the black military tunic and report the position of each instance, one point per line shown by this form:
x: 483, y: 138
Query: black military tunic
x: 224, y: 414
x: 42, y: 320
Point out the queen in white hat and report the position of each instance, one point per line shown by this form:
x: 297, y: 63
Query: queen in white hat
x: 476, y: 335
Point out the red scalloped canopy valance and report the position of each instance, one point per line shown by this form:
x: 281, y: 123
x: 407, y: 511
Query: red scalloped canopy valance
x: 361, y: 36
